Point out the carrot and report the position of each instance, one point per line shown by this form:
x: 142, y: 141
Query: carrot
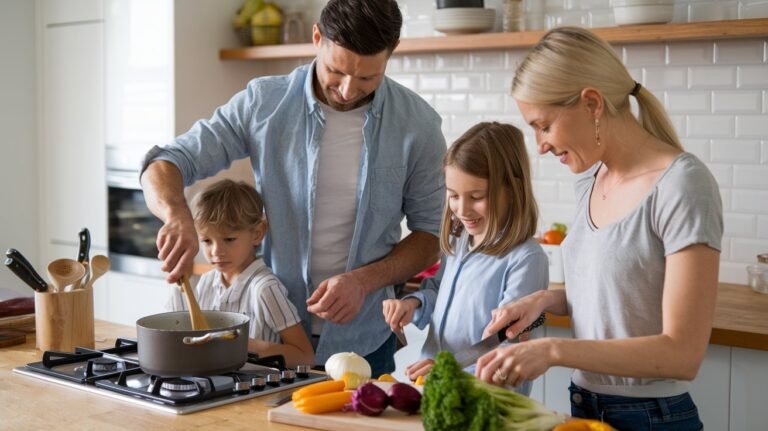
x: 318, y: 388
x: 324, y: 403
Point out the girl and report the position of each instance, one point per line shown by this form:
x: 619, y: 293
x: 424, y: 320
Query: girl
x: 486, y: 234
x: 641, y: 259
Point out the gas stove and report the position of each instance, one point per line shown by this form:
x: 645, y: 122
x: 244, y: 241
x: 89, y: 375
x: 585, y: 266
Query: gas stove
x: 115, y: 373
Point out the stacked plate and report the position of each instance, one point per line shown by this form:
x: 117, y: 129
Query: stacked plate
x: 463, y: 20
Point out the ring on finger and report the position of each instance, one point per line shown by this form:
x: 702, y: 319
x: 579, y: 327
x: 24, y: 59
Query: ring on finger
x: 500, y: 375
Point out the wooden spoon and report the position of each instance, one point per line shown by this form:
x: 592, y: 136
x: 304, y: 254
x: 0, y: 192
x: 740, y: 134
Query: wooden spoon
x: 99, y: 266
x: 197, y: 317
x: 64, y: 272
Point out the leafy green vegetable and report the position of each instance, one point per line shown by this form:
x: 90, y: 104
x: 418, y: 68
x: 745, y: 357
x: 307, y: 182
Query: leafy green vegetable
x: 455, y: 400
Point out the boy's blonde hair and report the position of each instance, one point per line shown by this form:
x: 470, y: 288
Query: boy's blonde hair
x: 230, y: 205
x: 495, y: 152
x: 569, y: 59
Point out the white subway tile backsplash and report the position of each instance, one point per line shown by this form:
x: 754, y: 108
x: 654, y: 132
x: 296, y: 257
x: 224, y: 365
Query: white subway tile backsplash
x: 757, y: 10
x: 739, y: 52
x: 500, y: 81
x: 550, y: 167
x: 753, y: 76
x: 488, y: 103
x: 468, y: 82
x: 487, y: 60
x: 690, y: 53
x: 725, y: 196
x: 451, y: 103
x: 764, y: 151
x: 750, y: 201
x: 737, y: 101
x: 462, y: 123
x: 750, y: 176
x: 744, y: 225
x: 723, y: 174
x: 712, y: 77
x: 429, y: 98
x: 644, y: 55
x: 710, y: 126
x: 418, y: 63
x: 679, y: 122
x: 762, y: 226
x: 546, y: 191
x: 407, y: 80
x: 448, y: 62
x: 665, y: 77
x: 696, y: 102
x: 698, y: 147
x: 746, y: 250
x: 713, y: 10
x: 565, y: 192
x: 395, y: 64
x: 752, y: 126
x: 735, y: 151
x: 434, y: 82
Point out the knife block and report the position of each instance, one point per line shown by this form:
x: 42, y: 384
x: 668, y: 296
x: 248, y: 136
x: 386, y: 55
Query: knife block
x: 64, y: 320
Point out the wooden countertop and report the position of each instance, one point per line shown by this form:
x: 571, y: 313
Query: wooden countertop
x: 27, y: 403
x: 741, y: 317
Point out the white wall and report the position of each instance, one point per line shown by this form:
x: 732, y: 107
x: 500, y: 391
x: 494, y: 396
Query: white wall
x: 18, y: 148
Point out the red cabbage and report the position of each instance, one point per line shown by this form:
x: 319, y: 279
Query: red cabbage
x: 369, y: 400
x: 405, y: 398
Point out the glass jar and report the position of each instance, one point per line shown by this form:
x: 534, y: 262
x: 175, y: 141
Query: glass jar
x: 293, y: 28
x: 512, y: 15
x: 757, y: 274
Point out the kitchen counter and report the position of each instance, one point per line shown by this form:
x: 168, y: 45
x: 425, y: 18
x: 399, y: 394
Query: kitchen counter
x: 28, y: 403
x: 741, y: 317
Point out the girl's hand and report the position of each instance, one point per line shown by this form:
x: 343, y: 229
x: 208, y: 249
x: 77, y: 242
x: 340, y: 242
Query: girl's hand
x: 512, y: 364
x: 399, y: 313
x: 525, y: 311
x: 420, y: 368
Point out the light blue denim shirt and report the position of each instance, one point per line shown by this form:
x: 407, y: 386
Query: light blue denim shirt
x: 458, y: 301
x: 278, y: 123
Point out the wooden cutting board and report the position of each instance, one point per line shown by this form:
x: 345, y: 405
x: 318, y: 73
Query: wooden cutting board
x: 390, y: 420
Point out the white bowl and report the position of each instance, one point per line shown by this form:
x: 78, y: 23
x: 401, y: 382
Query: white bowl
x: 464, y: 20
x: 627, y: 12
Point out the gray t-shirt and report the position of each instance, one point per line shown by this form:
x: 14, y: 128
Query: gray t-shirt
x: 614, y: 275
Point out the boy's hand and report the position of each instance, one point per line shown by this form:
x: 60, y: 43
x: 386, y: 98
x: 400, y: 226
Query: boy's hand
x: 337, y: 299
x: 399, y: 313
x: 420, y: 368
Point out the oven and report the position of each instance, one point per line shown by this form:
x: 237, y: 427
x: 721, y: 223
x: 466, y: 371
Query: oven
x: 131, y: 228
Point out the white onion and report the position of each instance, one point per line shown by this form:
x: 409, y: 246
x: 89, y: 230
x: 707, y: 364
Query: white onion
x: 347, y: 362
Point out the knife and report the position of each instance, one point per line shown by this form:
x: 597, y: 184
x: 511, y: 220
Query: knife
x: 26, y: 273
x: 279, y: 399
x: 474, y: 352
x: 82, y: 256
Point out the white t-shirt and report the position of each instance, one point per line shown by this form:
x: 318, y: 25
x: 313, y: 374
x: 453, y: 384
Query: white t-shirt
x: 335, y: 205
x: 255, y: 292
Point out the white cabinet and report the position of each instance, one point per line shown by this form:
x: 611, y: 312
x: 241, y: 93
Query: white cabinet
x: 749, y: 396
x: 710, y: 390
x: 132, y: 297
x: 72, y: 11
x: 74, y: 191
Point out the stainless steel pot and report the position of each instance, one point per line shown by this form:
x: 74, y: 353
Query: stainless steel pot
x: 169, y: 347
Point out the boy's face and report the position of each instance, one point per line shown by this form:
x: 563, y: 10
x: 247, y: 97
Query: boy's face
x: 230, y: 251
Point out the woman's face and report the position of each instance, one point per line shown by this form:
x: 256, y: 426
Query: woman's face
x: 568, y: 132
x: 468, y: 200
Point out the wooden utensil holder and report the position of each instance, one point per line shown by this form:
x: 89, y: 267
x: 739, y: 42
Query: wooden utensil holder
x: 64, y: 320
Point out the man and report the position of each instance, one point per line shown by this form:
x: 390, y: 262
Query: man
x: 340, y: 154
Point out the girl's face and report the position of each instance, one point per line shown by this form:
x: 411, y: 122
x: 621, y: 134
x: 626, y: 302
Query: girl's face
x: 567, y: 132
x: 229, y: 251
x: 468, y: 200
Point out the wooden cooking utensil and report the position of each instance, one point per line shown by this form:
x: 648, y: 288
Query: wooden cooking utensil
x: 99, y: 266
x: 64, y: 272
x: 197, y: 317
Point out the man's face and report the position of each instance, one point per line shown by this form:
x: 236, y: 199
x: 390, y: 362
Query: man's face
x: 345, y: 80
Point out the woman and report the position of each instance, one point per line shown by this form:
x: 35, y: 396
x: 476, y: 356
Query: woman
x: 642, y: 256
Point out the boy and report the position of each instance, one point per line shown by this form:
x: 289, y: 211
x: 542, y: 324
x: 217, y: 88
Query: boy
x: 229, y: 218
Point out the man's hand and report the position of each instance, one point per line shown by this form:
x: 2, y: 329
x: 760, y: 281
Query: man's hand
x: 338, y: 299
x: 178, y: 245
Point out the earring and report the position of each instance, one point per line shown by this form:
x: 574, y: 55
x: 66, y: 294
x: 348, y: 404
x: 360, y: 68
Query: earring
x: 597, y: 131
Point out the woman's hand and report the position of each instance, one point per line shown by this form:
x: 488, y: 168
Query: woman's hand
x: 399, y: 313
x: 420, y: 368
x: 514, y: 363
x: 523, y: 312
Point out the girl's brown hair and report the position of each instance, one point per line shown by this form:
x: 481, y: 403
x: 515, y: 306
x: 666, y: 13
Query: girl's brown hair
x: 495, y: 152
x: 229, y: 205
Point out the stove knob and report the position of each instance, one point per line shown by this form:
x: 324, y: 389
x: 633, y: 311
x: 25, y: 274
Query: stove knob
x: 258, y: 383
x: 242, y: 387
x: 302, y: 371
x: 273, y: 380
x: 287, y: 376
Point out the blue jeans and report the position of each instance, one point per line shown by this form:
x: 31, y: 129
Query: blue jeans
x: 382, y: 360
x: 676, y: 413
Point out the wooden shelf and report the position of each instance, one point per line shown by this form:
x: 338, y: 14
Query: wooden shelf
x: 732, y: 29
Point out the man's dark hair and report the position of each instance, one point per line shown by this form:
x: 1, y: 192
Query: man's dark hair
x: 365, y: 27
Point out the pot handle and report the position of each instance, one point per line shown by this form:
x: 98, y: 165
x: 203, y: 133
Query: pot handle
x: 219, y: 335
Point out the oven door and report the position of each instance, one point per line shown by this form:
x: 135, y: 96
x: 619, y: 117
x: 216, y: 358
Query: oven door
x: 132, y: 228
